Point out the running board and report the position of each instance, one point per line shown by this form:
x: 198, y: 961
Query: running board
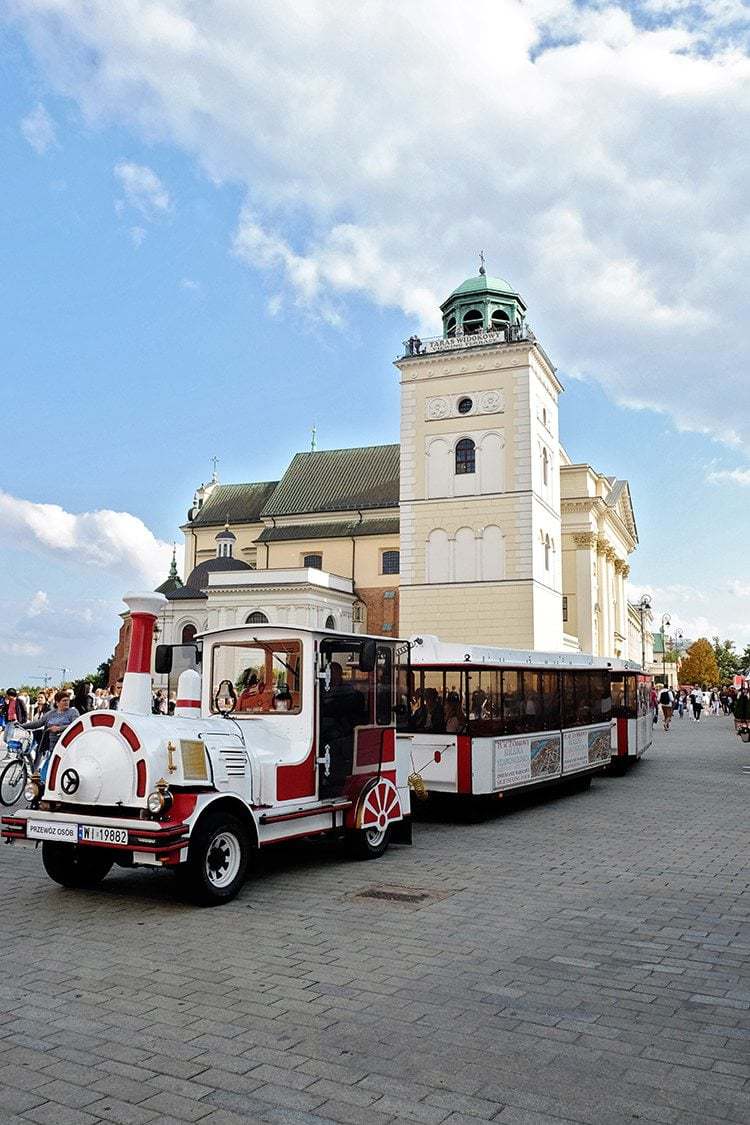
x: 316, y: 810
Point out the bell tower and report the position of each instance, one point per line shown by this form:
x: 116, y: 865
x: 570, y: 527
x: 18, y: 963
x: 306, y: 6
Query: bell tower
x: 480, y: 479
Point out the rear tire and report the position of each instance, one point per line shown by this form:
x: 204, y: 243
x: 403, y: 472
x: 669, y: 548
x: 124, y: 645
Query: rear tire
x: 12, y: 782
x: 73, y: 866
x: 218, y: 859
x: 369, y: 843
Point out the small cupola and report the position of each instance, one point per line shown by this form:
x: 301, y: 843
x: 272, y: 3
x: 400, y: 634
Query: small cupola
x: 482, y: 304
x: 225, y: 542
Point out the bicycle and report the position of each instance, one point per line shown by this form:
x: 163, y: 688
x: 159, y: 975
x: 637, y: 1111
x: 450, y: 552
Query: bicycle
x: 17, y: 770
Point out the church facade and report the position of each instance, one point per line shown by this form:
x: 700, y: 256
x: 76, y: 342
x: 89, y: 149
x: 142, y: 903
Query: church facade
x: 476, y: 526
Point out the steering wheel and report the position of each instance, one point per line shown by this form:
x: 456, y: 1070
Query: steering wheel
x: 225, y: 699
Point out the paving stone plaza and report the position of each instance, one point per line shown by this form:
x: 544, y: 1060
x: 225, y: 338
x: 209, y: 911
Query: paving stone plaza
x: 582, y: 959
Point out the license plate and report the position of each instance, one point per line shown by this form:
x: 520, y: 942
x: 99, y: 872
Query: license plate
x: 59, y: 831
x: 102, y: 834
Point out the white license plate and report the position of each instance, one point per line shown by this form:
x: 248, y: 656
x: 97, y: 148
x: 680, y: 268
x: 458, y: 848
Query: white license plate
x: 60, y: 831
x: 102, y: 834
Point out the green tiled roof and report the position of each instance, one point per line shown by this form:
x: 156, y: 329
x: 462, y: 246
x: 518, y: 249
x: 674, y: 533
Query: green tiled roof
x: 338, y: 480
x: 341, y: 530
x: 235, y: 503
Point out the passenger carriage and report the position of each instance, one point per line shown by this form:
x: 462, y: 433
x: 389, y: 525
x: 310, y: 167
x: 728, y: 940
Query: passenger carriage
x: 481, y: 721
x: 279, y: 732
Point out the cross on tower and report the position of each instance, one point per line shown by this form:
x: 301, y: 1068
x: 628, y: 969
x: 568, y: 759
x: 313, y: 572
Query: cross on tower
x: 214, y: 462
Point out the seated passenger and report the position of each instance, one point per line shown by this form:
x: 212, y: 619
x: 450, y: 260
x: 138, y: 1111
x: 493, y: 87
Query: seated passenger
x: 434, y: 713
x: 248, y: 699
x: 455, y: 720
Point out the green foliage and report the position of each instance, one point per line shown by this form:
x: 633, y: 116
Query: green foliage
x: 700, y: 665
x: 728, y: 661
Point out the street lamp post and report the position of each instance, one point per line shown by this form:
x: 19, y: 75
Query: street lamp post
x: 643, y: 605
x: 665, y: 623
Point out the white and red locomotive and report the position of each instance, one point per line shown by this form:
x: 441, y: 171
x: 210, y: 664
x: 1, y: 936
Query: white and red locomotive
x: 285, y: 732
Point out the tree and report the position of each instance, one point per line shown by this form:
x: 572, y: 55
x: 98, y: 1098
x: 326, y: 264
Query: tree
x: 745, y: 659
x: 728, y: 660
x: 700, y: 665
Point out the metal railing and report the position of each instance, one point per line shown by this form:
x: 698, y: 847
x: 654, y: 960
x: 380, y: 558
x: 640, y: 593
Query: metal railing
x: 511, y: 334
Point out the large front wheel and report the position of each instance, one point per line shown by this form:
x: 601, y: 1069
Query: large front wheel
x: 73, y: 865
x: 12, y: 782
x: 217, y: 861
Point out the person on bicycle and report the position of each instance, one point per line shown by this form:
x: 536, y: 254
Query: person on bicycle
x: 53, y: 723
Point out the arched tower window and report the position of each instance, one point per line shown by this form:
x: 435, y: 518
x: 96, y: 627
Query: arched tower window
x: 499, y: 319
x: 473, y: 322
x: 466, y: 457
x: 450, y: 326
x: 188, y: 634
x: 256, y: 618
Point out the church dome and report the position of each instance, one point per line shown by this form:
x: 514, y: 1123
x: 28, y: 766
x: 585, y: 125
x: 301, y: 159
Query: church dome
x: 482, y: 284
x: 198, y: 577
x: 482, y: 304
x: 225, y: 533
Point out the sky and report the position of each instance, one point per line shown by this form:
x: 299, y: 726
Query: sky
x: 219, y: 220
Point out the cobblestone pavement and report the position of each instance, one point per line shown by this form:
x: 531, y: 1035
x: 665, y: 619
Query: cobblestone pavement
x: 580, y: 959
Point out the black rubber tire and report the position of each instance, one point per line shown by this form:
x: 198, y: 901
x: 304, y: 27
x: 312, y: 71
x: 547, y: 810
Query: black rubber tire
x: 73, y: 866
x: 13, y: 773
x: 192, y: 876
x: 360, y: 846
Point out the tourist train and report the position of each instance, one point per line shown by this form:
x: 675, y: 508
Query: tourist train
x: 285, y: 732
x: 483, y: 721
x: 282, y: 732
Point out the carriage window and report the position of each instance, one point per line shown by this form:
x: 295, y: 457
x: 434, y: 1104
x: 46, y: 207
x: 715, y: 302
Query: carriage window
x: 586, y: 698
x: 617, y: 688
x: 434, y: 701
x: 348, y: 678
x: 551, y: 700
x: 485, y: 708
x: 257, y: 678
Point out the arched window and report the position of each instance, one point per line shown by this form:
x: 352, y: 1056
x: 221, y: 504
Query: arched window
x: 391, y: 562
x: 330, y: 621
x: 473, y: 322
x: 466, y: 456
x: 499, y: 319
x: 188, y: 634
x: 313, y: 560
x: 450, y: 327
x: 547, y: 548
x: 545, y: 467
x: 256, y: 618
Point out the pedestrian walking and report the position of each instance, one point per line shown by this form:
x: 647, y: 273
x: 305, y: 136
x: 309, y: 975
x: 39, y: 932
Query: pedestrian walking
x: 14, y: 713
x: 666, y: 701
x: 698, y: 704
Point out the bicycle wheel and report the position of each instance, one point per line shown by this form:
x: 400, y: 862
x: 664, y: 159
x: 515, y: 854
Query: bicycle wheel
x: 12, y: 782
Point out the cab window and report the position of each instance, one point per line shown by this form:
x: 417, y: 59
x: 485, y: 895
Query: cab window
x: 257, y: 678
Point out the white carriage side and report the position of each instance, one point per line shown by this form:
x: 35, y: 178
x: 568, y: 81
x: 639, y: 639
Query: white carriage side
x: 482, y: 721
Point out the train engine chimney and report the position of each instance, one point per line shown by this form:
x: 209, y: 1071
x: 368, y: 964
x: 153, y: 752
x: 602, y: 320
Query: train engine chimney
x: 136, y: 684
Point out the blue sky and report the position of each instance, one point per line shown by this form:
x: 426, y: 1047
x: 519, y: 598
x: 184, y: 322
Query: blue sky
x: 205, y: 254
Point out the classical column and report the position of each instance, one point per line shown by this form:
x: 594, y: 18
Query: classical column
x: 603, y: 597
x: 613, y: 599
x: 585, y: 543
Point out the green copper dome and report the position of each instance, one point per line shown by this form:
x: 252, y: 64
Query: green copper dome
x: 482, y: 304
x: 482, y: 284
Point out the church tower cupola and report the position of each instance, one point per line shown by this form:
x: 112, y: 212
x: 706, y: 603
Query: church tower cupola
x: 225, y: 542
x: 482, y: 304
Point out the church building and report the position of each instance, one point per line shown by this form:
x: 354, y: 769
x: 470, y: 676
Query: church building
x: 476, y: 526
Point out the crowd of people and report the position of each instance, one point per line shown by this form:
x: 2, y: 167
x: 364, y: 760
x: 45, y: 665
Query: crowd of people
x: 47, y: 713
x: 697, y: 702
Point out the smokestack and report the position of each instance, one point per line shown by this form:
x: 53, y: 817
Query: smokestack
x: 136, y: 685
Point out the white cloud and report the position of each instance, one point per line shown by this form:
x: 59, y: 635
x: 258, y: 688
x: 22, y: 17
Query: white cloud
x: 39, y: 130
x: 188, y: 283
x: 114, y: 541
x: 143, y: 189
x: 39, y: 604
x: 730, y: 476
x: 19, y: 648
x: 137, y: 235
x: 594, y: 151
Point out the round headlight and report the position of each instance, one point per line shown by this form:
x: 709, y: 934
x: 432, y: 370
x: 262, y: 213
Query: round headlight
x: 155, y: 802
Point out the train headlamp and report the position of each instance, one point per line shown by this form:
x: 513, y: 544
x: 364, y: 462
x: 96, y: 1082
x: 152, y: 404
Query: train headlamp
x: 160, y: 800
x: 34, y: 789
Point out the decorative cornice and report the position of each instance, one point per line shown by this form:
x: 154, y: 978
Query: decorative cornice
x: 585, y: 539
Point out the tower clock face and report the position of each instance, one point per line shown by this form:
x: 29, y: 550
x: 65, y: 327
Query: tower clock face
x: 465, y: 405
